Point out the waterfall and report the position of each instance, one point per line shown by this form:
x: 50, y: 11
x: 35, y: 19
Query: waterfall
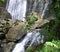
x: 45, y: 7
x: 39, y: 6
x: 32, y: 37
x: 17, y: 8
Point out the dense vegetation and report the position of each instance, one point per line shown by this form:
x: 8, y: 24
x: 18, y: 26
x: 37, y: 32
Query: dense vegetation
x: 53, y: 46
x: 51, y: 32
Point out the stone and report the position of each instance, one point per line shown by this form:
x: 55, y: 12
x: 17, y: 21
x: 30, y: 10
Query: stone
x: 11, y: 22
x: 1, y: 28
x: 7, y: 47
x: 39, y: 22
x: 2, y: 21
x: 1, y: 49
x: 16, y: 31
x: 4, y: 15
x: 4, y: 27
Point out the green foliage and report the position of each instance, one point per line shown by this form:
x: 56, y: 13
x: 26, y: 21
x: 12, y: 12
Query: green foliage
x: 33, y: 49
x: 29, y: 49
x: 56, y: 7
x: 1, y: 2
x: 51, y: 32
x: 53, y: 46
x: 56, y: 27
x: 30, y: 21
x: 27, y: 27
x: 52, y: 29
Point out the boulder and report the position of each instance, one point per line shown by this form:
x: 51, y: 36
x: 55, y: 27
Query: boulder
x: 16, y: 31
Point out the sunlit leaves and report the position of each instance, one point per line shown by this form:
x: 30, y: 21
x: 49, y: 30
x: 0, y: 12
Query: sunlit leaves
x: 53, y: 46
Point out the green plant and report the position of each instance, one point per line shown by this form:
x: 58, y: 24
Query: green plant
x: 52, y: 29
x: 53, y: 46
x: 30, y: 21
x: 1, y: 2
x: 55, y: 30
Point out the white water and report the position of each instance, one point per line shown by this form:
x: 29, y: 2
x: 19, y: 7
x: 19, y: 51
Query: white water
x: 33, y: 37
x: 17, y: 8
x: 45, y: 7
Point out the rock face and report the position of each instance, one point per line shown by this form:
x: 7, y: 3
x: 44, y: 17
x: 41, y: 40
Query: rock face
x: 36, y: 5
x: 16, y: 31
x: 1, y: 49
x: 9, y: 46
x: 39, y: 21
x: 40, y: 6
x: 5, y: 23
x: 4, y: 15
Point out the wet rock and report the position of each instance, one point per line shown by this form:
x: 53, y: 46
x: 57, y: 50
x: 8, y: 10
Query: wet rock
x: 4, y: 27
x: 39, y: 22
x: 16, y: 31
x: 4, y: 14
x: 1, y: 49
x: 1, y: 32
x: 11, y: 22
x: 7, y: 47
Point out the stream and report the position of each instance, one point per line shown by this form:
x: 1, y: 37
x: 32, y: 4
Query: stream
x: 17, y: 9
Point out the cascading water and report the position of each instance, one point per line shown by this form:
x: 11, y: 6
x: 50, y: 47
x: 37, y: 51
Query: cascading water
x: 32, y: 37
x: 45, y: 7
x: 17, y: 8
x: 39, y: 6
